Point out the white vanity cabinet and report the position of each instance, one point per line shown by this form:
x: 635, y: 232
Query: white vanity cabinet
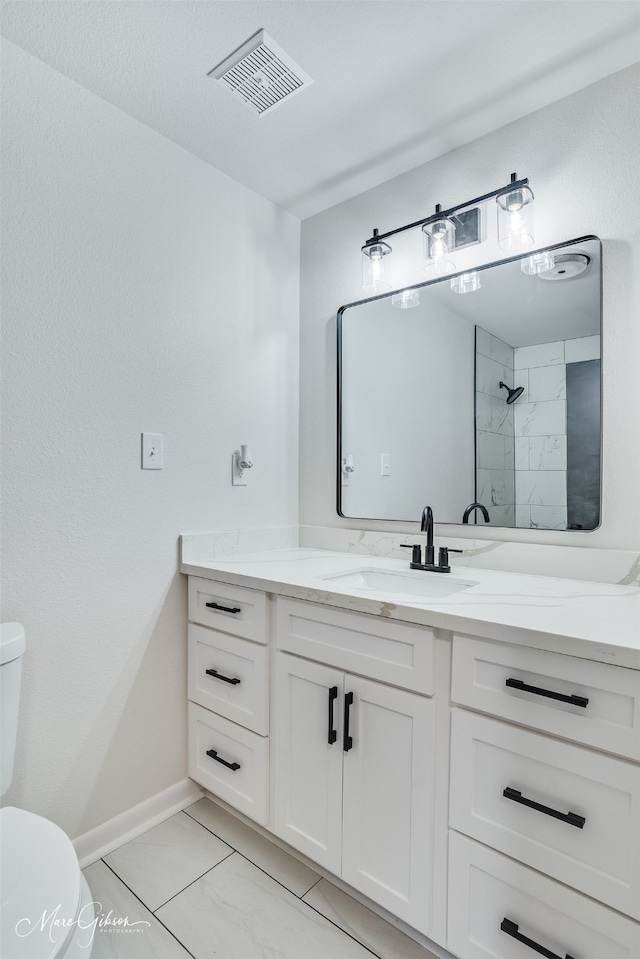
x: 486, y: 793
x: 228, y: 685
x: 354, y: 758
x: 526, y: 783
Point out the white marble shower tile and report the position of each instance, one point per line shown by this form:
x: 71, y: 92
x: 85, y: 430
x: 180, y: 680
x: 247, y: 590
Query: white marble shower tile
x: 502, y: 353
x: 548, y: 452
x: 541, y: 419
x: 483, y: 341
x: 364, y: 925
x: 501, y: 416
x: 541, y: 488
x: 583, y: 348
x: 489, y: 375
x: 502, y: 515
x: 522, y: 449
x: 493, y: 450
x: 236, y: 911
x: 523, y: 515
x: 549, y: 517
x: 483, y: 412
x: 547, y: 383
x: 544, y: 354
x: 148, y: 939
x: 483, y: 486
x: 165, y: 859
x: 277, y: 863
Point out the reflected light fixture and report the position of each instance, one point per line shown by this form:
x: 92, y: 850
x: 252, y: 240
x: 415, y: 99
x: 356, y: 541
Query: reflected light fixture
x: 515, y: 216
x: 406, y: 299
x: 466, y: 282
x: 538, y: 263
x: 373, y: 253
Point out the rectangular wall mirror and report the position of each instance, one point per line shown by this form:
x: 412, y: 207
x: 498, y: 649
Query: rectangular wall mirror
x: 490, y: 397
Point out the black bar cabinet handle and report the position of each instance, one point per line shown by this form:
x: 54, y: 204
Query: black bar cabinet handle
x: 218, y: 759
x: 225, y: 609
x: 225, y: 679
x: 572, y: 818
x: 511, y: 929
x: 549, y: 693
x: 347, y: 740
x: 333, y: 735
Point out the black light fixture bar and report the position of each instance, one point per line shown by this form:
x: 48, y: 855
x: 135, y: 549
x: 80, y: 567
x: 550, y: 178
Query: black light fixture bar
x: 441, y: 214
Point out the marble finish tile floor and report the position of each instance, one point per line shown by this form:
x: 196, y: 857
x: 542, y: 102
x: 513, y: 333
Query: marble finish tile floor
x: 204, y: 885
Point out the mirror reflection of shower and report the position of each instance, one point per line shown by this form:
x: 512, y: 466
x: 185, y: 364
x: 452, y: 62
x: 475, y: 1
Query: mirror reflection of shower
x: 513, y: 394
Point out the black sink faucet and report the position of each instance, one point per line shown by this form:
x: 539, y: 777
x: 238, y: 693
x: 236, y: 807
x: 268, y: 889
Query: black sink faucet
x: 426, y: 526
x: 442, y: 566
x: 471, y: 507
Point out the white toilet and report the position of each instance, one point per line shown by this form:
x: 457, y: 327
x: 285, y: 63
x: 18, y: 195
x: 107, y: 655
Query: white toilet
x: 47, y: 910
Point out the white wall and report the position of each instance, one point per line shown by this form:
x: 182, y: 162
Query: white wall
x: 579, y: 154
x: 143, y: 290
x: 392, y: 360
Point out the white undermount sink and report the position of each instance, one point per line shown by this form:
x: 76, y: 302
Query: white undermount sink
x: 421, y: 585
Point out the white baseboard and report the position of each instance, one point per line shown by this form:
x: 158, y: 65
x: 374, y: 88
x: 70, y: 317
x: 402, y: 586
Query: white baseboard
x: 98, y: 842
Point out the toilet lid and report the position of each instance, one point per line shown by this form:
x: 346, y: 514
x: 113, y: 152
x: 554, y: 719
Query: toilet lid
x: 41, y: 886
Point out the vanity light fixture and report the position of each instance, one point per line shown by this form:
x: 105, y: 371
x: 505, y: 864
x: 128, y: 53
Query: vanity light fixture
x: 373, y: 253
x: 466, y: 282
x: 515, y: 216
x: 440, y: 238
x: 458, y: 226
x: 406, y: 299
x: 538, y: 263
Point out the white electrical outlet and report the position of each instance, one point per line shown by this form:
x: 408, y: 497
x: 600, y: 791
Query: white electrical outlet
x: 385, y: 467
x: 152, y: 451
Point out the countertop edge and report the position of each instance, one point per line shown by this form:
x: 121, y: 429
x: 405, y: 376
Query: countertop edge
x: 578, y: 646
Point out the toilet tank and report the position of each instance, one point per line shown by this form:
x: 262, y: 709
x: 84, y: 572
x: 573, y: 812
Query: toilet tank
x: 12, y: 646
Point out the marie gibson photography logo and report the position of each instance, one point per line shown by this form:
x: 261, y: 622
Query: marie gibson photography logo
x: 90, y: 918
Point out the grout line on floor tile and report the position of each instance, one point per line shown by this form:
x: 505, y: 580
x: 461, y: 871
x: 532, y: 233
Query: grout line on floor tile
x: 312, y: 886
x: 180, y: 891
x: 157, y: 918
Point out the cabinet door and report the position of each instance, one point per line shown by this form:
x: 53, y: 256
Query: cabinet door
x: 308, y: 768
x: 388, y: 799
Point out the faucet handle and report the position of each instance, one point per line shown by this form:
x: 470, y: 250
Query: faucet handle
x: 416, y: 552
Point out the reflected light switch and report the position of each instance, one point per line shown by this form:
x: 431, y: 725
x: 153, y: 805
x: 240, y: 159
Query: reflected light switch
x: 152, y: 451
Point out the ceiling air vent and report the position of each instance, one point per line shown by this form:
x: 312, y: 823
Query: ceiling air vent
x: 260, y: 74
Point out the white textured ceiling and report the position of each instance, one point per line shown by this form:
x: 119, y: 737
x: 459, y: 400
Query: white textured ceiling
x: 397, y: 82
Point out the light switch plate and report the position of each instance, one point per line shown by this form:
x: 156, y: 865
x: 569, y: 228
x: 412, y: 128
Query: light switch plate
x: 152, y: 451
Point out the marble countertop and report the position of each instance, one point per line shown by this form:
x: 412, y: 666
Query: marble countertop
x: 597, y: 621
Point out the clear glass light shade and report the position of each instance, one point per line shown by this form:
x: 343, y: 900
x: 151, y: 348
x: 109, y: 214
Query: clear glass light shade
x: 406, y: 299
x: 439, y: 238
x: 373, y: 278
x: 515, y: 219
x: 466, y: 282
x: 538, y: 263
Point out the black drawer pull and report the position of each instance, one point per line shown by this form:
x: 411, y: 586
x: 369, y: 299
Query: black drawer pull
x: 347, y: 740
x: 225, y: 609
x: 511, y: 929
x: 225, y: 679
x: 549, y: 693
x: 214, y: 755
x: 569, y: 817
x: 332, y: 735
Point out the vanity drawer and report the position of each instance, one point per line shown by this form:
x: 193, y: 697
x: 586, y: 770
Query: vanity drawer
x: 243, y: 612
x: 396, y: 653
x: 603, y: 707
x: 244, y: 787
x: 486, y: 888
x: 595, y: 850
x: 230, y: 676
